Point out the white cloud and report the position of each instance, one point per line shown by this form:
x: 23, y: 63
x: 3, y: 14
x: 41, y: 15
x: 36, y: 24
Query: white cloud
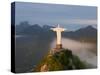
x: 83, y: 50
x: 83, y: 21
x: 79, y: 21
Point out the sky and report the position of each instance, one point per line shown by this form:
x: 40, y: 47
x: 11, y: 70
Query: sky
x: 71, y: 17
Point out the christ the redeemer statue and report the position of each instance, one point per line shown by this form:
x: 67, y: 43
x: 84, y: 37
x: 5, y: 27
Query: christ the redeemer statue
x: 58, y: 31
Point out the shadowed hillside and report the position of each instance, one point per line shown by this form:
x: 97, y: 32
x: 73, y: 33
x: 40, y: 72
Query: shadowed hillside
x: 88, y: 33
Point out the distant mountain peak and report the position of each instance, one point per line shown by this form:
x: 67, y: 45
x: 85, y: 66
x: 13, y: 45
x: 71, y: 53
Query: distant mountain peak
x: 47, y: 26
x: 90, y: 27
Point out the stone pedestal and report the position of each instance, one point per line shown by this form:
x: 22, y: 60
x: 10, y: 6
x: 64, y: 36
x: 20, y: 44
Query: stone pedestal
x: 59, y: 46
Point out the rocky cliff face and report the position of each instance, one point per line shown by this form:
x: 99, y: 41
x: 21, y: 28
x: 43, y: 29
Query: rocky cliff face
x: 60, y: 60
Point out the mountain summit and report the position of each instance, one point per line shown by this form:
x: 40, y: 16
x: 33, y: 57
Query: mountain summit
x: 62, y: 59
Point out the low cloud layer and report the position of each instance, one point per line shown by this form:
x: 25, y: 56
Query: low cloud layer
x: 81, y: 49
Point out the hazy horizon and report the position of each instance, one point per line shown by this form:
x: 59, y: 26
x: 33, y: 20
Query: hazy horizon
x: 69, y: 16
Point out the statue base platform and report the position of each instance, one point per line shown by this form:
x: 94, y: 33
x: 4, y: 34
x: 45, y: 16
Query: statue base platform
x: 59, y: 46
